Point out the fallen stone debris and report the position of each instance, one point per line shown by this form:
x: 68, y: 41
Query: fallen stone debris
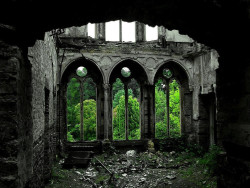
x: 136, y: 170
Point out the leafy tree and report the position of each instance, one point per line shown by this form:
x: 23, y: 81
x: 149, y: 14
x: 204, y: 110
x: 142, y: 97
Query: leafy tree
x: 73, y: 110
x: 118, y: 96
x: 133, y: 118
x: 89, y: 121
x: 134, y: 86
x: 174, y: 109
x: 89, y: 89
x: 119, y: 119
x: 73, y: 98
x: 89, y: 115
x: 161, y: 110
x: 117, y: 86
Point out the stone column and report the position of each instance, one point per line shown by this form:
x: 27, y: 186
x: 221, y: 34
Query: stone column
x: 99, y: 100
x: 168, y: 114
x: 151, y: 94
x: 120, y: 30
x: 107, y: 112
x: 161, y: 32
x: 145, y: 121
x: 126, y: 111
x: 212, y: 121
x: 140, y: 32
x: 63, y: 114
x: 100, y: 31
x: 81, y: 113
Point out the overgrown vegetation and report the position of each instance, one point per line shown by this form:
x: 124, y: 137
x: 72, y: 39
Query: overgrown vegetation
x: 161, y: 109
x: 89, y: 110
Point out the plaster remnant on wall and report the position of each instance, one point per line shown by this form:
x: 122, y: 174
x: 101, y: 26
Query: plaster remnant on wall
x: 151, y: 63
x: 106, y: 62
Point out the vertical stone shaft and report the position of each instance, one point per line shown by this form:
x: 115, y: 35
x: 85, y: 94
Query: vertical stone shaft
x: 140, y: 32
x: 151, y: 93
x: 81, y: 113
x: 167, y: 101
x: 106, y: 110
x: 126, y: 110
x: 120, y: 30
x: 100, y: 31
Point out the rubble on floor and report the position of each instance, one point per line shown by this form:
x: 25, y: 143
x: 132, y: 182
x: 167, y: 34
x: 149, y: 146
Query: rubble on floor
x: 135, y: 170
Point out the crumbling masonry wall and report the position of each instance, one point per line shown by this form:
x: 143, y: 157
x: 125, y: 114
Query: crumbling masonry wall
x: 15, y: 122
x: 43, y: 59
x: 194, y: 66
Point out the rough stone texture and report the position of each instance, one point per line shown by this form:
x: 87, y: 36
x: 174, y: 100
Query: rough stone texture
x: 43, y: 59
x: 194, y: 66
x: 209, y: 22
x: 15, y: 115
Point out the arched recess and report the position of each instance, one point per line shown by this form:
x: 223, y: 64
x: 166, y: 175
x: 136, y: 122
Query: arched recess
x: 139, y: 76
x: 181, y: 76
x: 94, y: 76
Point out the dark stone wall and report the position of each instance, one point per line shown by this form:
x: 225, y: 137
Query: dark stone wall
x: 43, y: 59
x: 15, y: 116
x: 223, y: 25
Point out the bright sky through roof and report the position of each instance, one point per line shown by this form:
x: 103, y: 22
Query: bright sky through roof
x: 126, y: 69
x: 112, y: 31
x: 128, y: 31
x: 91, y: 30
x: 151, y: 33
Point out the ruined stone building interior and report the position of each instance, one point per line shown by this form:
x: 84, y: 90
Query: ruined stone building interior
x: 202, y: 46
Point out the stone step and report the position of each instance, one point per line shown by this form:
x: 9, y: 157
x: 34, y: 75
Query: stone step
x: 84, y: 146
x: 81, y: 148
x: 78, y: 159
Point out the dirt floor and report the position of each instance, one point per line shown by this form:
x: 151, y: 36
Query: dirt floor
x: 132, y: 169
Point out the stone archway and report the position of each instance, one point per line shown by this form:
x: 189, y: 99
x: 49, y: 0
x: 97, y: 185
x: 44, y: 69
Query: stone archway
x: 186, y: 99
x: 140, y: 76
x: 95, y: 74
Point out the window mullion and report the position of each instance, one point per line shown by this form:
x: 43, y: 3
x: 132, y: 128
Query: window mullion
x: 126, y: 109
x: 167, y: 101
x: 120, y: 30
x: 81, y: 103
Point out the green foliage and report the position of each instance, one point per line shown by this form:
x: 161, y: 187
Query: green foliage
x: 89, y: 107
x: 118, y: 96
x: 70, y: 137
x: 117, y: 86
x: 118, y: 90
x: 73, y: 98
x: 134, y: 86
x: 81, y: 71
x: 89, y: 120
x: 133, y: 118
x: 73, y: 133
x: 74, y: 111
x: 161, y: 110
x: 125, y: 72
x: 174, y: 109
x: 208, y: 161
x: 167, y: 73
x: 119, y: 119
x: 89, y: 89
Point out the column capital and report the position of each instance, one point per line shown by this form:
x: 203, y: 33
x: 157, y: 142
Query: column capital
x: 106, y: 86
